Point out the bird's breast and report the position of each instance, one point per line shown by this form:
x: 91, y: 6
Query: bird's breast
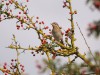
x: 57, y: 35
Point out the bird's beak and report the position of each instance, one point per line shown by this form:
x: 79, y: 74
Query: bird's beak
x: 51, y: 24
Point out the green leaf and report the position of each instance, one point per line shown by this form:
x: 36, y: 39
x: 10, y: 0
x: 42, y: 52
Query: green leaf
x: 1, y: 5
x: 6, y: 13
x: 0, y: 12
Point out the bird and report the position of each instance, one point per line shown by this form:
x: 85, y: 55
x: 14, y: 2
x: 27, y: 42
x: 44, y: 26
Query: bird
x: 56, y: 32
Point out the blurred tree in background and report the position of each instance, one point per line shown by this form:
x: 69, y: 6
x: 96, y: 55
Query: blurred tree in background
x: 94, y: 27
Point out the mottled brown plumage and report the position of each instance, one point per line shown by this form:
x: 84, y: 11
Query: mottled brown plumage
x: 56, y: 32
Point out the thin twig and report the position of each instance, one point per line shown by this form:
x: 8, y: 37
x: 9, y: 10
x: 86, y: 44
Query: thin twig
x: 74, y: 59
x: 17, y: 64
x: 86, y: 43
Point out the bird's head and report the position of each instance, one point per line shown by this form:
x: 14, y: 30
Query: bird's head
x: 54, y: 24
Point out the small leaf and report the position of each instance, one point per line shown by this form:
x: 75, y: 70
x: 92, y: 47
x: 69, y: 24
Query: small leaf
x: 1, y: 5
x: 6, y: 14
x: 0, y: 12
